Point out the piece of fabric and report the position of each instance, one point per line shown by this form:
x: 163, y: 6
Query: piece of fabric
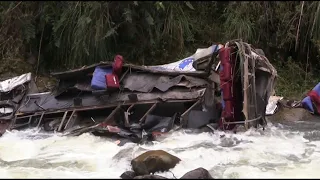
x: 312, y: 101
x: 98, y: 81
x: 9, y: 84
x: 307, y: 104
x: 315, y: 98
x: 117, y: 65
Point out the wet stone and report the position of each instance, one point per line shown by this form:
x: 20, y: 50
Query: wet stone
x: 199, y: 173
x: 128, y: 175
x: 149, y: 177
x: 154, y: 161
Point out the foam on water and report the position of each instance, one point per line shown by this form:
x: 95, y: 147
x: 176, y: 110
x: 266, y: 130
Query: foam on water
x: 273, y: 153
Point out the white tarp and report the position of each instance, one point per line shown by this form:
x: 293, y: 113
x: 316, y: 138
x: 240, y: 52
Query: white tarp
x: 186, y: 64
x: 182, y: 65
x: 272, y: 104
x: 9, y: 84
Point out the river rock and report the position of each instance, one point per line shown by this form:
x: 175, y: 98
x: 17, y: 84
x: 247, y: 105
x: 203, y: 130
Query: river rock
x: 128, y: 175
x: 199, y: 173
x: 153, y: 161
x: 149, y: 177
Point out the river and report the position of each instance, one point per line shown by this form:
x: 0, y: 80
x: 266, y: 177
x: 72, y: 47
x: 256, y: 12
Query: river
x: 281, y: 151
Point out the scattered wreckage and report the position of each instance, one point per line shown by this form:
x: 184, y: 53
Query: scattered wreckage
x: 295, y: 110
x: 307, y: 108
x: 217, y: 87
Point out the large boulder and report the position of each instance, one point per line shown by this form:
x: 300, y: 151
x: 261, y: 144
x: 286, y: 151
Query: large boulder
x: 153, y: 161
x: 149, y: 177
x: 199, y: 173
x: 128, y: 175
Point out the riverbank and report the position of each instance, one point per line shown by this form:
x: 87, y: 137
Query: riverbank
x: 293, y: 81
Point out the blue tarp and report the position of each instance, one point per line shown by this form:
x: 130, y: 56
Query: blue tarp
x: 98, y: 81
x: 307, y: 102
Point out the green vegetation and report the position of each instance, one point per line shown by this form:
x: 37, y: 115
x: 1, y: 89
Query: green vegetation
x: 55, y: 35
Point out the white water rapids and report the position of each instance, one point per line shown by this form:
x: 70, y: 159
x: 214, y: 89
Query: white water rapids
x: 277, y: 152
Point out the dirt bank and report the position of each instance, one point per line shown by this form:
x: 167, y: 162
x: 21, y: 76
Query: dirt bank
x: 292, y: 114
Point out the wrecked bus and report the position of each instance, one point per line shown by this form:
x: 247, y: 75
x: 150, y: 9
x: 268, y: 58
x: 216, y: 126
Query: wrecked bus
x: 218, y: 87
